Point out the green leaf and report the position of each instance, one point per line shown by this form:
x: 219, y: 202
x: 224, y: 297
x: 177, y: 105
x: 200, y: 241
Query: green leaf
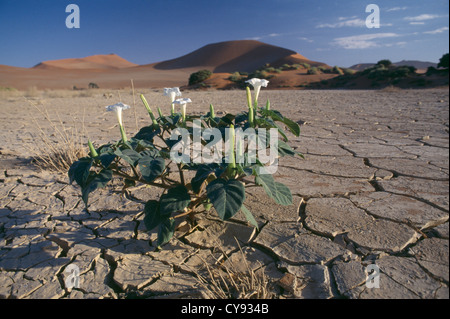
x: 79, y: 171
x: 282, y: 194
x: 226, y: 196
x: 94, y: 182
x: 151, y: 168
x: 277, y: 191
x: 106, y: 159
x: 152, y: 215
x: 130, y: 156
x: 202, y: 174
x: 249, y: 216
x: 275, y: 115
x: 281, y: 131
x: 147, y: 133
x: 292, y: 126
x: 284, y: 149
x: 228, y: 119
x: 165, y: 231
x: 176, y: 199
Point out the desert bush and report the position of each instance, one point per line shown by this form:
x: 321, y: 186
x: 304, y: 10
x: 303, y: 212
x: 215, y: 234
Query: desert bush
x: 93, y: 85
x: 235, y: 77
x: 386, y: 63
x: 261, y: 74
x: 305, y: 65
x: 444, y: 61
x: 313, y: 70
x: 401, y: 71
x: 337, y: 70
x: 190, y: 185
x: 199, y: 76
x: 348, y: 71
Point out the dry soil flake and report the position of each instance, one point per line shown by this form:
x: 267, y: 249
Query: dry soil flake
x: 433, y: 255
x: 135, y: 271
x: 333, y: 216
x: 384, y: 235
x: 295, y: 245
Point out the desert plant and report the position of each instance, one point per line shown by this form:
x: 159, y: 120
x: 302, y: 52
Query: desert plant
x: 260, y: 74
x: 93, y: 85
x: 305, y: 65
x: 199, y: 76
x: 348, y: 71
x: 313, y: 70
x: 191, y: 184
x: 337, y: 70
x: 231, y: 281
x: 60, y: 149
x: 386, y: 63
x: 235, y: 77
x: 444, y: 61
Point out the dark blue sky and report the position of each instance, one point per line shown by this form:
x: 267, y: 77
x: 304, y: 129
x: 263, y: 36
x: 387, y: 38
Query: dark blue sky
x: 147, y: 31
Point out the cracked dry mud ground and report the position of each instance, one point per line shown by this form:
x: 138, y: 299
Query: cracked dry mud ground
x: 373, y: 188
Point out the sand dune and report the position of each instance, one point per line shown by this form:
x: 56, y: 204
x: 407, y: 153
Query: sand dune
x: 110, y: 61
x: 112, y: 71
x: 231, y: 56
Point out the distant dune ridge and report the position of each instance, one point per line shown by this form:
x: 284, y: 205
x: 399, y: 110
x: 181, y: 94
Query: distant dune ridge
x: 420, y: 65
x: 94, y: 62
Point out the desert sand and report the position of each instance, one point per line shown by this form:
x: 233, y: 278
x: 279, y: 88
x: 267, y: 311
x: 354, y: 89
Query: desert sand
x: 373, y: 188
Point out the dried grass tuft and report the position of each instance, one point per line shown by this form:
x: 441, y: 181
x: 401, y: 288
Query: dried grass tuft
x: 225, y: 280
x: 58, y: 149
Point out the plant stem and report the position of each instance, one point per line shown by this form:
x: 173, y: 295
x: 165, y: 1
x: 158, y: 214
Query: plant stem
x: 183, y: 181
x: 140, y: 180
x: 122, y: 133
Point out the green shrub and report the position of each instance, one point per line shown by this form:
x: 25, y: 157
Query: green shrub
x: 337, y: 70
x: 93, y: 85
x: 305, y: 65
x: 386, y: 63
x: 199, y: 76
x: 432, y: 70
x: 260, y: 74
x: 313, y: 70
x: 235, y: 77
x: 348, y: 71
x: 444, y: 62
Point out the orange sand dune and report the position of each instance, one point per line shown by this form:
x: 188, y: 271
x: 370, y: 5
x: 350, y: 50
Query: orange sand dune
x: 110, y: 61
x: 231, y: 56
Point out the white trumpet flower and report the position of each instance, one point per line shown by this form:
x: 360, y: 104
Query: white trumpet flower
x: 172, y: 93
x: 182, y: 103
x: 118, y: 108
x: 257, y: 84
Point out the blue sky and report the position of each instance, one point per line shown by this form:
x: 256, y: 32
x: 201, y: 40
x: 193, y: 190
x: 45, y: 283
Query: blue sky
x: 147, y: 31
